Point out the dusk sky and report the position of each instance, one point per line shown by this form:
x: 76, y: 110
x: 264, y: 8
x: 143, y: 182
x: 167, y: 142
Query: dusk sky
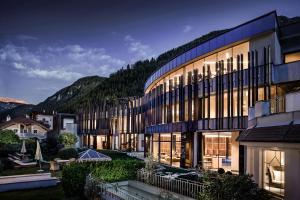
x: 46, y: 45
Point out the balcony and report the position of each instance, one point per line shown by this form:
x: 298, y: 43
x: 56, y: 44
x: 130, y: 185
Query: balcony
x: 276, y: 112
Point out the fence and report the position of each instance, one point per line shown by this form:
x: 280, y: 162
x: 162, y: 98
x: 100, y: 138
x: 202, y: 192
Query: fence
x: 181, y: 186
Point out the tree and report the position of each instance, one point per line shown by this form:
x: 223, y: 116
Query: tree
x: 230, y: 187
x: 8, y: 137
x: 67, y: 139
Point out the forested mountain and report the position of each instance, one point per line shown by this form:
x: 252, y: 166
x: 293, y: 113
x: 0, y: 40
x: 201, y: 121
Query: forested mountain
x: 68, y: 98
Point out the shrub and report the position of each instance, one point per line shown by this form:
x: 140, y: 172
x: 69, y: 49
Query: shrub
x: 74, y: 175
x: 68, y: 153
x: 6, y: 149
x: 67, y: 139
x: 31, y: 147
x: 9, y: 137
x: 228, y: 187
x: 5, y: 164
x: 117, y: 170
x: 73, y: 178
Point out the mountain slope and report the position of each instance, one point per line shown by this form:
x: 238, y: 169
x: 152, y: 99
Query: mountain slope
x: 9, y: 103
x: 68, y: 98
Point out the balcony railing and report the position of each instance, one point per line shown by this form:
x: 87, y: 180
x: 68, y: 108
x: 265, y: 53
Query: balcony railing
x: 277, y: 105
x: 32, y: 135
x: 181, y: 186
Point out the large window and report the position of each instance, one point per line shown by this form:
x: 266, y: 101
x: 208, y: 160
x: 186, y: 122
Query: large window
x: 176, y: 149
x: 273, y: 176
x: 220, y: 151
x: 166, y: 148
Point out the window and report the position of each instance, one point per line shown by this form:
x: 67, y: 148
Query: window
x: 292, y: 57
x: 15, y: 130
x: 35, y: 131
x: 24, y: 131
x: 220, y: 151
x: 273, y: 176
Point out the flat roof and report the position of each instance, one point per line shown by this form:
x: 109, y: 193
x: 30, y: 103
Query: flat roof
x: 241, y: 32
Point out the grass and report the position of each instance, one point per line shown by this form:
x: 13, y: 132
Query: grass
x: 24, y: 170
x: 51, y: 193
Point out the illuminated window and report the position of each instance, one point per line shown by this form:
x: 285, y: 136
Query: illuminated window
x: 273, y: 176
x: 292, y: 57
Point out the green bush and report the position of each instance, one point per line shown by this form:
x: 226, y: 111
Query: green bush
x: 67, y: 139
x: 118, y: 170
x: 9, y: 137
x: 228, y: 187
x: 73, y: 175
x: 73, y: 178
x: 67, y: 153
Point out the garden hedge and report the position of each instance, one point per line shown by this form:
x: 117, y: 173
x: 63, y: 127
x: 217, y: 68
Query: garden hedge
x: 73, y: 175
x: 67, y: 153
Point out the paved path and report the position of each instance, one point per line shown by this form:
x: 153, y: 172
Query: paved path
x: 28, y: 181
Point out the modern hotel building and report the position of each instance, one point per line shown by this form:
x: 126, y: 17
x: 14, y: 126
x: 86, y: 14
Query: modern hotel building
x: 199, y: 109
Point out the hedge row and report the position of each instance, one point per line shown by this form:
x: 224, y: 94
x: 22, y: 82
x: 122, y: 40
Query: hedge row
x: 74, y: 175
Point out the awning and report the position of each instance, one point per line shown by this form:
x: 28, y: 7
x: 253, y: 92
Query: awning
x: 287, y: 133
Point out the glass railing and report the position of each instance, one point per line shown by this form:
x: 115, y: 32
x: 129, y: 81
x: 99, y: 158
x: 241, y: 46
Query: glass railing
x: 277, y: 105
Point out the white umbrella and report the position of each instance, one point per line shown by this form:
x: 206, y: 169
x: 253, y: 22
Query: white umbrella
x: 23, y: 149
x: 38, y: 154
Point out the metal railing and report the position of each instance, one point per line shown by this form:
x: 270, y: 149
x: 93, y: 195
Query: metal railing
x: 139, y: 155
x: 181, y: 186
x: 32, y: 135
x: 95, y: 187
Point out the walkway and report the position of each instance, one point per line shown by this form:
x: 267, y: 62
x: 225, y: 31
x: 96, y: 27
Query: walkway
x: 28, y: 181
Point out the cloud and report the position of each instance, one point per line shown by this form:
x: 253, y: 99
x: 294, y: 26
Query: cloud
x: 138, y: 49
x: 66, y: 63
x: 53, y: 74
x: 19, y: 66
x: 26, y: 37
x: 187, y: 28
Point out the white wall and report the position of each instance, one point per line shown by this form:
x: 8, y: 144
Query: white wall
x: 47, y: 118
x: 292, y: 102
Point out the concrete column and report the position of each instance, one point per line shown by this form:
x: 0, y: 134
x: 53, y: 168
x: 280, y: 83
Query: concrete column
x: 195, y: 150
x: 292, y: 175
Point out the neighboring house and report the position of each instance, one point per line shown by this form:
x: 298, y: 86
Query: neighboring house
x: 62, y: 122
x: 25, y: 128
x: 45, y: 119
x: 65, y: 122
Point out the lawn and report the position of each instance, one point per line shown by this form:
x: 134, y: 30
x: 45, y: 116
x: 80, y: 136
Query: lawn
x: 51, y: 193
x: 23, y: 170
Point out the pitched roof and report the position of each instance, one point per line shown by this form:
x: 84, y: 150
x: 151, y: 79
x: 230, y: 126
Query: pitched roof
x: 22, y: 120
x: 92, y: 155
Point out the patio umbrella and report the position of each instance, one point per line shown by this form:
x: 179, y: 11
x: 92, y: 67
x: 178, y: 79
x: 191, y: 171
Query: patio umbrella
x: 38, y: 154
x: 23, y: 149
